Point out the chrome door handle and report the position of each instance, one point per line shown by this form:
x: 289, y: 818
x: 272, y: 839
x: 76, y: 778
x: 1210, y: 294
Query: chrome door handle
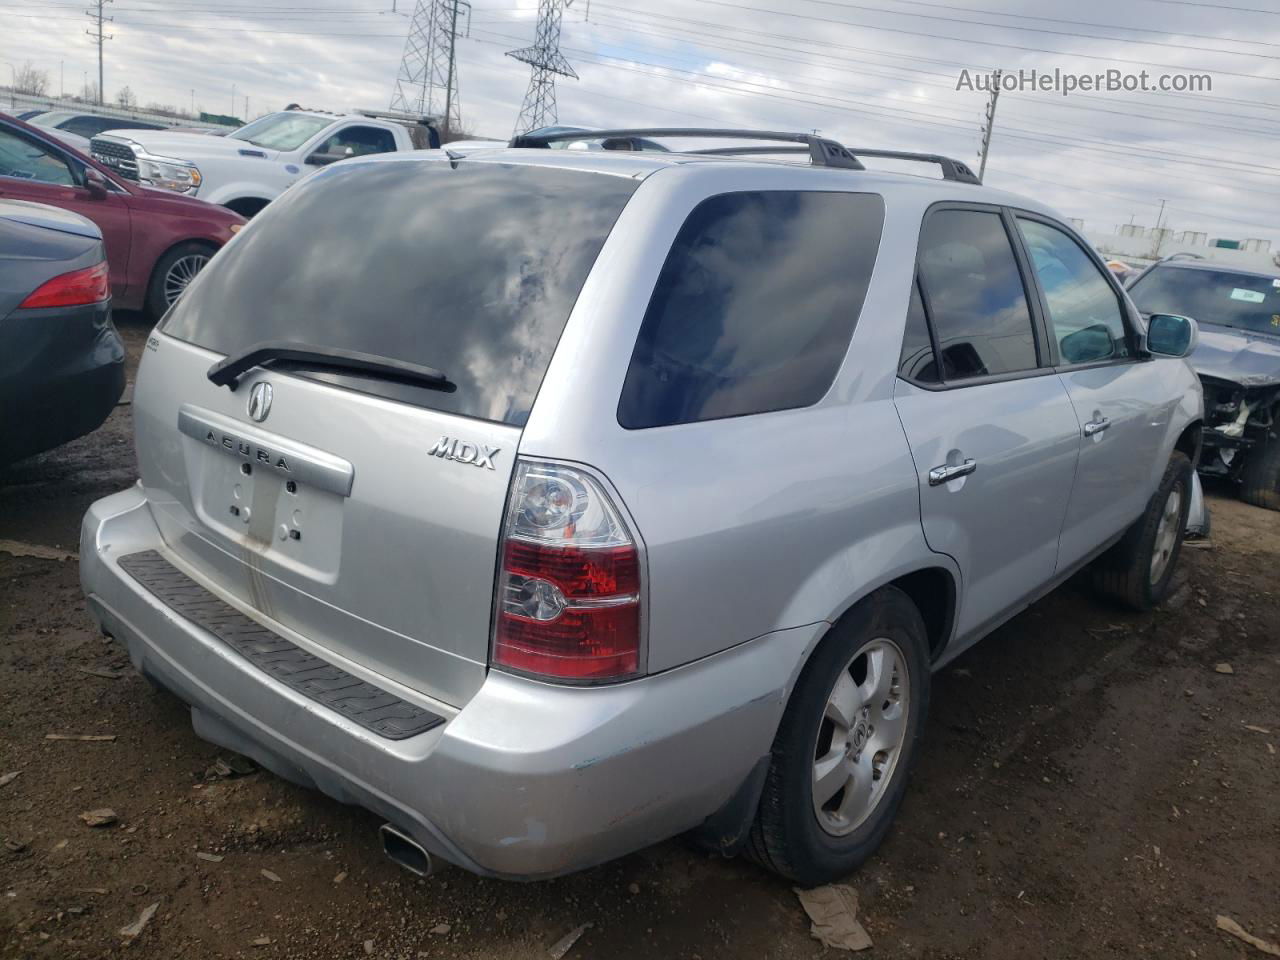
x: 1096, y: 426
x: 946, y: 473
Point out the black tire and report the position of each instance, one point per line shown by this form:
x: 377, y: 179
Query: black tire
x: 157, y: 296
x: 1260, y: 475
x: 1124, y: 572
x: 787, y: 836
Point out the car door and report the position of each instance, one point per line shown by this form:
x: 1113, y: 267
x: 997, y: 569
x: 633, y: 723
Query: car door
x: 1116, y: 394
x: 989, y: 423
x: 33, y: 170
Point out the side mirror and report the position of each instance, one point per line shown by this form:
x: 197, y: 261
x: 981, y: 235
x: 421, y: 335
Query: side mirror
x: 1088, y: 345
x: 1169, y: 335
x: 95, y: 183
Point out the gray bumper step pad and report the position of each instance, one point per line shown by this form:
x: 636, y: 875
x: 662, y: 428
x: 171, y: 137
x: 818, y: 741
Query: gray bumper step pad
x: 372, y: 707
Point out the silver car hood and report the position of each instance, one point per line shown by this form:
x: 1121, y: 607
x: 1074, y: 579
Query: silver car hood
x: 1239, y: 356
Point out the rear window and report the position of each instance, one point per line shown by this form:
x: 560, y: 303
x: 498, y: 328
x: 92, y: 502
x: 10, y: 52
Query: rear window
x: 754, y: 306
x: 471, y: 270
x: 1242, y: 300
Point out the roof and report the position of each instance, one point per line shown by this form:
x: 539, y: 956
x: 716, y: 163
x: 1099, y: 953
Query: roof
x: 642, y: 164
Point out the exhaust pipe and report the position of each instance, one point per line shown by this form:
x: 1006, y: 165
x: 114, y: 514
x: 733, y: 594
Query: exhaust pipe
x: 406, y: 851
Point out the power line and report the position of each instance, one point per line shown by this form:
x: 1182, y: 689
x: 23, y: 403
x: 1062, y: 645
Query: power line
x: 844, y: 4
x: 825, y: 61
x: 1085, y: 23
x: 628, y: 12
x: 818, y: 98
x: 985, y: 43
x: 1215, y: 6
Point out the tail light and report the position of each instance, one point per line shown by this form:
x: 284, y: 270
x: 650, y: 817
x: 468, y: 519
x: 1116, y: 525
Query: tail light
x: 568, y: 603
x: 74, y: 289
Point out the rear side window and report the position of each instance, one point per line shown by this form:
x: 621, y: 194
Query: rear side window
x: 754, y: 307
x: 974, y: 295
x: 471, y: 270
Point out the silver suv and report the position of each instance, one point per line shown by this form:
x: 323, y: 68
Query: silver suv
x: 551, y: 503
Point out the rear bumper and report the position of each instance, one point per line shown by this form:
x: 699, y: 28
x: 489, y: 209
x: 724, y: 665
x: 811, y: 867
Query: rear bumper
x: 526, y: 780
x: 61, y: 375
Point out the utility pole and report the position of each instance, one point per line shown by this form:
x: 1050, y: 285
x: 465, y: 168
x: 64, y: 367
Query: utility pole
x: 427, y: 83
x: 62, y: 79
x: 233, y: 99
x: 989, y: 123
x: 97, y: 34
x: 1155, y: 250
x: 539, y: 107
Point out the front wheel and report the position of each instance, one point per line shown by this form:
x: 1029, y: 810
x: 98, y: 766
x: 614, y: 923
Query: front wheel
x: 846, y: 743
x: 1260, y: 476
x: 1138, y: 571
x: 172, y: 274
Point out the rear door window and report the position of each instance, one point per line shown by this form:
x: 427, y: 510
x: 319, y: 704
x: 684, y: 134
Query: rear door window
x: 754, y: 307
x: 974, y: 295
x: 471, y: 269
x: 358, y: 142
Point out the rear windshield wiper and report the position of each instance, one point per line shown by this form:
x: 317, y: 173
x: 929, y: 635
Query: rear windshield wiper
x: 227, y: 372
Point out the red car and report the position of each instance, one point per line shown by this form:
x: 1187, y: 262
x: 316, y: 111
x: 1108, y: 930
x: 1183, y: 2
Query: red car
x: 156, y: 241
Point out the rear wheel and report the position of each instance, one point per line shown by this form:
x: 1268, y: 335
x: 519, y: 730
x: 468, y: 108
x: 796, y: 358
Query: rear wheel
x: 1138, y: 571
x: 842, y: 754
x: 1260, y: 475
x: 173, y: 273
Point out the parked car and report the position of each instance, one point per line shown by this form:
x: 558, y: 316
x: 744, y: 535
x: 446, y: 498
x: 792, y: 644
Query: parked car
x: 62, y: 364
x: 645, y: 498
x: 1238, y: 361
x: 251, y: 166
x: 156, y: 240
x: 88, y: 125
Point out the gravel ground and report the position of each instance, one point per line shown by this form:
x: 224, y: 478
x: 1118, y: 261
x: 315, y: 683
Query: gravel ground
x: 1092, y: 784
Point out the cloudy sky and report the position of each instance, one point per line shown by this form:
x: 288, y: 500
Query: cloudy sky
x: 865, y: 72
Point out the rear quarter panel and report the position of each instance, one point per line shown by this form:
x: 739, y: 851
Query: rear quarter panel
x: 757, y: 523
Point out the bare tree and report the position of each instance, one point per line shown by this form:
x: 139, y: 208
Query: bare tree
x: 27, y: 79
x: 89, y: 92
x: 126, y: 99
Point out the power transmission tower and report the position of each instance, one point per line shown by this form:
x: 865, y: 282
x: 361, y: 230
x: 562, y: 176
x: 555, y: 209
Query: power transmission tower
x: 539, y: 107
x: 96, y: 34
x: 427, y: 83
x: 990, y: 122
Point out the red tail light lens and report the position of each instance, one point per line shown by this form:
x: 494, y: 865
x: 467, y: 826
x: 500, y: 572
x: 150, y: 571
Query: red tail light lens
x: 90, y: 285
x: 568, y: 605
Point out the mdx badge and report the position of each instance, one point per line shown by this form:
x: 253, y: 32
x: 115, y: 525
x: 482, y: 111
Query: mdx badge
x: 463, y: 451
x: 259, y: 401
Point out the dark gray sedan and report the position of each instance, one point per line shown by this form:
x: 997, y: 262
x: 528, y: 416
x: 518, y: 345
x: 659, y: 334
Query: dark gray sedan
x: 61, y: 363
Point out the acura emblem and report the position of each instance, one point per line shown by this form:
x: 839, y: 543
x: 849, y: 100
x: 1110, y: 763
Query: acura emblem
x: 259, y: 401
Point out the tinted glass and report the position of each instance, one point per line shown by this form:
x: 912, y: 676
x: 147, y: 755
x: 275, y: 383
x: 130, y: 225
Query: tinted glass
x: 472, y: 271
x: 917, y: 361
x: 1084, y: 310
x: 754, y: 306
x: 1242, y: 300
x: 26, y: 159
x: 975, y: 295
x: 359, y: 140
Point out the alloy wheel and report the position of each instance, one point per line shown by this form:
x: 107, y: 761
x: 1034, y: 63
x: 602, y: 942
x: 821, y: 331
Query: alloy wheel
x: 860, y: 736
x: 181, y: 273
x: 1166, y: 534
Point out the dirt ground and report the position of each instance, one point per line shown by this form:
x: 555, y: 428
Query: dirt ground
x: 1092, y: 784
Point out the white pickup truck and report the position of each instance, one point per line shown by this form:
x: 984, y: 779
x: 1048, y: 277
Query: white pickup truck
x: 249, y: 167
